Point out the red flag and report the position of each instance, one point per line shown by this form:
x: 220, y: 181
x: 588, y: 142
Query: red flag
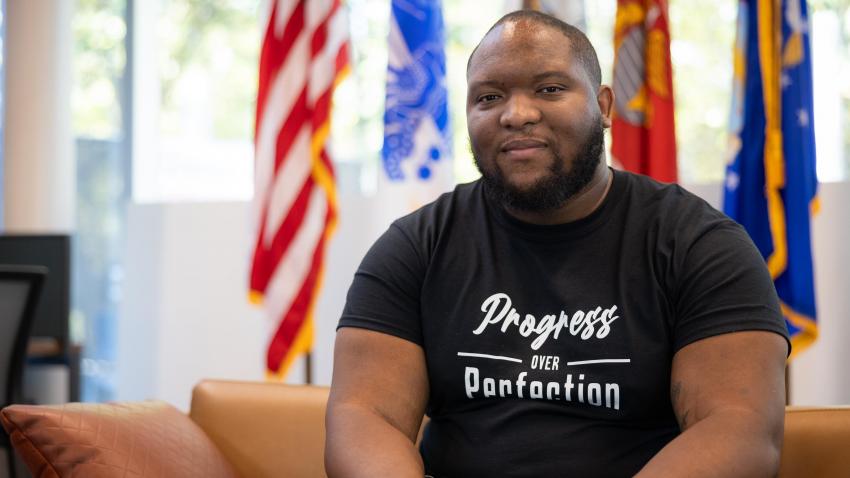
x: 304, y: 54
x: 643, y: 136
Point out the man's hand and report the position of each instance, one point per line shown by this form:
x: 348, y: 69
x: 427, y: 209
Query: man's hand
x: 376, y: 405
x: 728, y: 393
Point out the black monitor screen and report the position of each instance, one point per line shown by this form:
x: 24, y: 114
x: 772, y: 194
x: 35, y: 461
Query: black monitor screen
x: 53, y: 252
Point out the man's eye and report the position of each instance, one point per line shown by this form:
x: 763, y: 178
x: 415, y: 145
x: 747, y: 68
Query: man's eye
x: 487, y: 98
x: 551, y: 89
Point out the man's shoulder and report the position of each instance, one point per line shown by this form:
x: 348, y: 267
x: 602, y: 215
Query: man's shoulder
x: 645, y: 186
x: 668, y: 199
x: 671, y: 209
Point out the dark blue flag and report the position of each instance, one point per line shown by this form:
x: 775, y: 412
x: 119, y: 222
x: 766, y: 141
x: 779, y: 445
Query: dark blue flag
x: 771, y: 183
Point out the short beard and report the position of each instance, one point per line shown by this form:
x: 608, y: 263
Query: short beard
x: 554, y: 190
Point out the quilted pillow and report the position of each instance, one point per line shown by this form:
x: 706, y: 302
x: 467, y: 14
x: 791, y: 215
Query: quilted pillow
x: 140, y: 439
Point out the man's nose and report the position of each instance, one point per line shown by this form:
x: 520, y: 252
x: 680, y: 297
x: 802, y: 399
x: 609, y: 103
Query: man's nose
x: 519, y: 112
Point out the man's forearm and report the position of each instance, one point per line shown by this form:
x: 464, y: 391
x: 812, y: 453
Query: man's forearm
x: 725, y: 444
x: 360, y: 442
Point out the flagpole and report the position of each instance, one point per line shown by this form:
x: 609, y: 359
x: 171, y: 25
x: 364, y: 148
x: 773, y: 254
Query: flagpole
x: 787, y: 384
x: 308, y: 368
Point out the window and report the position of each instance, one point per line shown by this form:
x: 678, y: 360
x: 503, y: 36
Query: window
x: 829, y: 26
x: 196, y: 81
x: 196, y: 86
x: 100, y: 117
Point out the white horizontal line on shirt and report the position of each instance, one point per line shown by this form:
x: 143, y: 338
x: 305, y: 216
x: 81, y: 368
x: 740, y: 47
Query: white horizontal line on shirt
x: 585, y: 362
x: 494, y: 357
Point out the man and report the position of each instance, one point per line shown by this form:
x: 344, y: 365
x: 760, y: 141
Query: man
x: 556, y: 318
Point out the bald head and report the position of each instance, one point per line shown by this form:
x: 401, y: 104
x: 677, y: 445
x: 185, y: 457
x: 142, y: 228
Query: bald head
x: 577, y: 41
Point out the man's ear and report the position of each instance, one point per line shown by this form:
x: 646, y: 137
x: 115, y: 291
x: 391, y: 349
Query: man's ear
x: 605, y: 99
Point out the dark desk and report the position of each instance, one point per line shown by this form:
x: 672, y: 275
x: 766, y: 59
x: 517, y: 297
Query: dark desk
x: 51, y: 351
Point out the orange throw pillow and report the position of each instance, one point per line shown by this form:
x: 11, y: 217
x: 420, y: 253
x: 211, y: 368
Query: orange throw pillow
x: 140, y: 439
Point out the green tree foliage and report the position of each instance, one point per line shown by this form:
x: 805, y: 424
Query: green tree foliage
x: 98, y: 64
x: 215, y: 45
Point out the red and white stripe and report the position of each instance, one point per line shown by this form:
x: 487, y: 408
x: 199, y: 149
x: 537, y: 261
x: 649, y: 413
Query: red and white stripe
x: 304, y: 52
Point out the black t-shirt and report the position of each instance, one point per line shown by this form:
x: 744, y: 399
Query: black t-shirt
x: 549, y: 348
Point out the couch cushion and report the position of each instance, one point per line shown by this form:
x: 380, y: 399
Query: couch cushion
x: 815, y: 444
x: 142, y: 439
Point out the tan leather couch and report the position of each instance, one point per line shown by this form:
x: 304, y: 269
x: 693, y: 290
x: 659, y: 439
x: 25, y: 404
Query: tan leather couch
x: 272, y: 430
x: 281, y: 432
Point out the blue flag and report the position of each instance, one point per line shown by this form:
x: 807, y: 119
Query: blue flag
x: 416, y: 122
x: 771, y: 183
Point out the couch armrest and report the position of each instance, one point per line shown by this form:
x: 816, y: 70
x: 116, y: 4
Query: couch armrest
x: 815, y: 443
x: 264, y: 429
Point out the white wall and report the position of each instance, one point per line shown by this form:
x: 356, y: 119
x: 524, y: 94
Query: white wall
x: 819, y: 375
x: 186, y: 317
x: 185, y: 314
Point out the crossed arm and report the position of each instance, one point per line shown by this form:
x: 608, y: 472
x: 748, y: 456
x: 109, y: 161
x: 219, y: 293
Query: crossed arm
x: 727, y: 393
x: 376, y: 405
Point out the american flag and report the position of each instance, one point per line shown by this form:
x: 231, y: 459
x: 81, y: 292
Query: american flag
x: 304, y: 55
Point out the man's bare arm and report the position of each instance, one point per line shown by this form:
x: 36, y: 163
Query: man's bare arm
x: 376, y: 405
x: 728, y: 393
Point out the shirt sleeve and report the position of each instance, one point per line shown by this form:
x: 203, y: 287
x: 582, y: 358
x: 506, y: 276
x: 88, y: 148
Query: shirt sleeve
x: 385, y: 293
x: 724, y: 287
